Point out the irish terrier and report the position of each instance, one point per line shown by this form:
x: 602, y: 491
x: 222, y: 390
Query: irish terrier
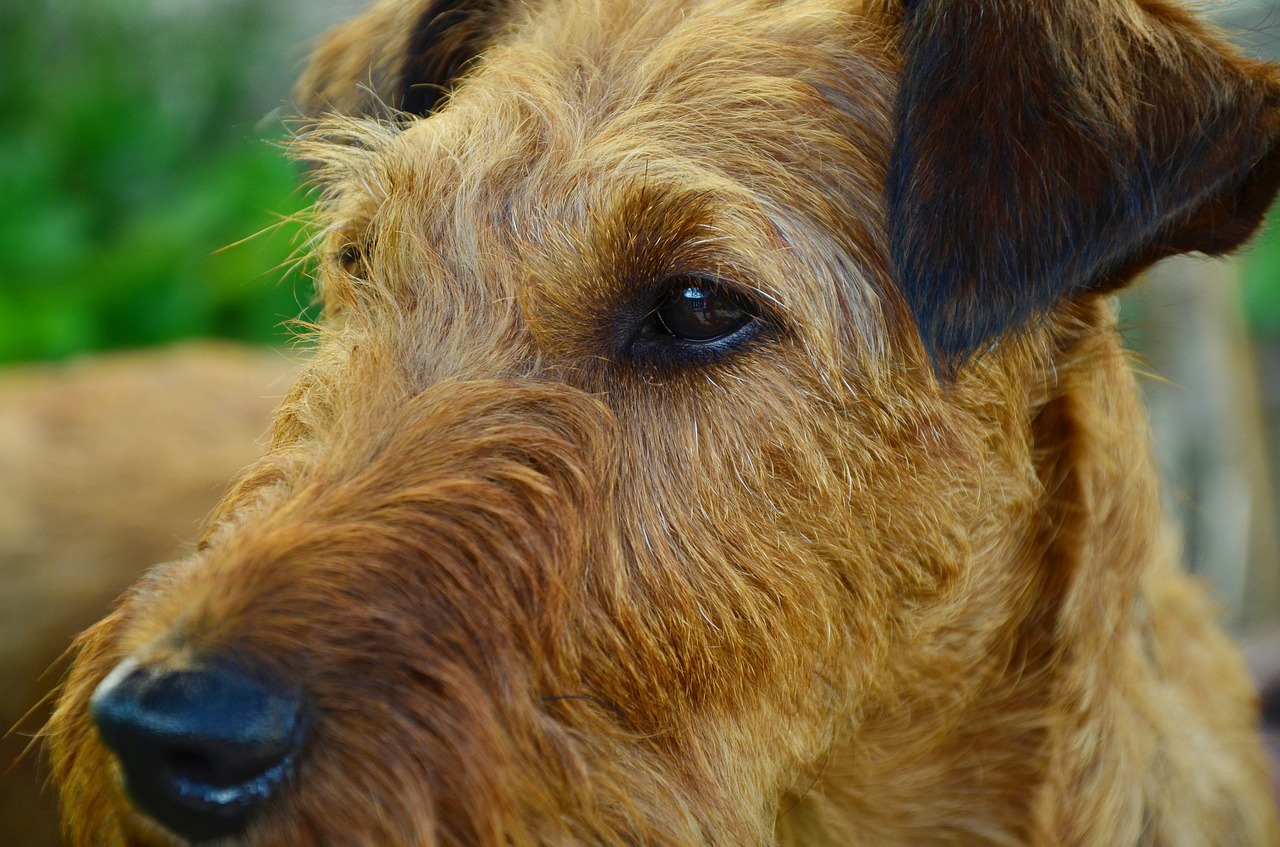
x: 718, y: 435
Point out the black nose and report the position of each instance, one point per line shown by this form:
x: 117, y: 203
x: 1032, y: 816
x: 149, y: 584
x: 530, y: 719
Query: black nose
x: 202, y: 749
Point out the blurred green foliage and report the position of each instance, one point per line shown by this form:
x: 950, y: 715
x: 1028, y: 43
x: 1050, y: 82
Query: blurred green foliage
x: 1262, y: 281
x: 132, y: 169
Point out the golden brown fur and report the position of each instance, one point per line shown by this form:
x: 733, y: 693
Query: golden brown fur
x: 544, y: 589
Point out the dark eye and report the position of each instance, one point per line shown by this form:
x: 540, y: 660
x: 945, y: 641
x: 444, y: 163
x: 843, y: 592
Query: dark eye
x: 698, y: 311
x: 351, y: 258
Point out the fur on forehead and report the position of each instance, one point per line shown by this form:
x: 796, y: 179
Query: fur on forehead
x: 602, y: 230
x: 781, y: 111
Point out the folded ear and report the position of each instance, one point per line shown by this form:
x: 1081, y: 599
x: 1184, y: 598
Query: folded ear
x: 1045, y: 149
x: 400, y: 55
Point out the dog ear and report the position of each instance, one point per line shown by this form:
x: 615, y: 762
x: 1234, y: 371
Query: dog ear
x: 401, y: 55
x: 1046, y: 149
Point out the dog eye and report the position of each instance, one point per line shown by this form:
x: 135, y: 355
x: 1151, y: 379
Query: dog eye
x: 698, y: 311
x: 351, y: 259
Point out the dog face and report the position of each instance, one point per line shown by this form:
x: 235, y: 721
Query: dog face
x: 684, y: 432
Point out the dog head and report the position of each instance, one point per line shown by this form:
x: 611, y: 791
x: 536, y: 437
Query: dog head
x: 622, y: 502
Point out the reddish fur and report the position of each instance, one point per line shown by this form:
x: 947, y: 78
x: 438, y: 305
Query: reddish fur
x: 543, y: 594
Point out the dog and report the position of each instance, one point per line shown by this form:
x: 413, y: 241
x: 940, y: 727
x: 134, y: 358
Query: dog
x: 718, y: 434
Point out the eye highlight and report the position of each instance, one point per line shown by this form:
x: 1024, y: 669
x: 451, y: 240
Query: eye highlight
x: 699, y: 311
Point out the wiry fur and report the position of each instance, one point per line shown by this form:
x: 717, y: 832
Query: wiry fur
x: 545, y: 591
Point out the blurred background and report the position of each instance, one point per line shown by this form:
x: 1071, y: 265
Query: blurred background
x: 145, y: 201
x: 139, y: 143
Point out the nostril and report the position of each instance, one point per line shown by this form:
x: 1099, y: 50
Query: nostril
x: 192, y: 764
x: 201, y: 749
x: 226, y: 769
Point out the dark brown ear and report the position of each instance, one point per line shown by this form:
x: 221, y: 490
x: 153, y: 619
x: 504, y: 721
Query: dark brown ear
x: 401, y: 55
x: 1046, y: 149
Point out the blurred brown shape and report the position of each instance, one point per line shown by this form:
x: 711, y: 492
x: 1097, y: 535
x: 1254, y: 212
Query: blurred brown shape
x: 107, y: 465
